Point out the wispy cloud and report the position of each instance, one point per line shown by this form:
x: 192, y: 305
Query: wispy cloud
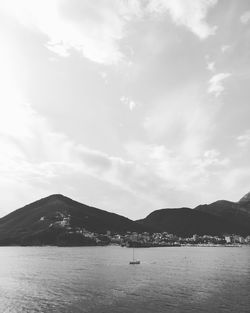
x: 29, y: 158
x: 94, y: 29
x: 74, y: 130
x: 175, y: 170
x: 211, y: 159
x: 216, y: 83
x: 211, y: 66
x: 225, y: 48
x: 189, y: 13
x: 245, y: 17
x: 36, y: 158
x: 244, y: 139
x: 128, y: 102
x: 183, y: 120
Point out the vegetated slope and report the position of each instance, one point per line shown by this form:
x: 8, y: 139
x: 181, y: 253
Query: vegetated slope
x: 41, y: 221
x: 245, y: 201
x: 186, y: 222
x: 218, y: 218
x: 57, y: 219
x: 236, y: 213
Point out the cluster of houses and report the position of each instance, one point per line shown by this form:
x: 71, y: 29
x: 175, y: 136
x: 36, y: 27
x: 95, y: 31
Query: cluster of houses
x: 166, y: 239
x: 145, y: 239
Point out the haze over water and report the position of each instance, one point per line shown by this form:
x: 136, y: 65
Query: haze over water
x: 100, y: 279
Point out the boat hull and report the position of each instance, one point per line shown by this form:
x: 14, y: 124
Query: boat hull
x: 134, y: 262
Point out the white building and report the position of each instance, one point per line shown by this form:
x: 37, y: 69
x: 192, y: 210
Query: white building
x: 228, y: 239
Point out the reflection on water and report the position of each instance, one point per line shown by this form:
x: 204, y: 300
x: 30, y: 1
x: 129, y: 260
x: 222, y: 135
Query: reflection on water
x: 100, y: 280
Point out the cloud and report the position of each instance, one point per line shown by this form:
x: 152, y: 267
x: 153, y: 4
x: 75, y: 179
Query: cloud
x: 211, y: 66
x: 35, y: 158
x: 128, y: 102
x: 183, y: 120
x: 211, y: 159
x: 182, y: 127
x: 237, y: 179
x: 178, y: 152
x: 215, y: 83
x: 33, y: 153
x: 174, y: 170
x: 96, y: 28
x: 244, y: 139
x: 189, y: 13
x: 225, y: 48
x: 92, y: 28
x: 104, y: 76
x: 245, y: 17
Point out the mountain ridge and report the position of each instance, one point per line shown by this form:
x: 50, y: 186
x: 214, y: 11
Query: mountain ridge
x: 48, y: 220
x: 186, y: 222
x: 221, y: 216
x: 245, y: 198
x: 43, y: 217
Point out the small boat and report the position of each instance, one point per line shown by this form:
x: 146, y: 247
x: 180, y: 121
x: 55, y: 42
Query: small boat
x: 134, y: 260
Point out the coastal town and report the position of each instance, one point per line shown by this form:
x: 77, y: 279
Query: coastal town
x: 164, y: 239
x: 140, y: 240
x: 145, y: 239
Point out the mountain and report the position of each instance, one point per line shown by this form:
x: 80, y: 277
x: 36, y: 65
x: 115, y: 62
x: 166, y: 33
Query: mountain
x: 245, y: 200
x: 185, y: 222
x: 217, y: 218
x: 46, y: 221
x: 235, y: 213
x: 58, y: 220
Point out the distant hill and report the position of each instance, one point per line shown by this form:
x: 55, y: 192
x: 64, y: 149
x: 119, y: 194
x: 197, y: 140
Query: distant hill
x: 236, y: 213
x: 51, y: 221
x: 217, y: 218
x: 42, y: 222
x: 245, y: 201
x: 186, y: 222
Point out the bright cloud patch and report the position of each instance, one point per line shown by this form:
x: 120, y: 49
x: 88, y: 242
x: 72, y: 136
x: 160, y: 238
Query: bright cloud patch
x: 69, y: 123
x: 174, y: 170
x: 96, y: 28
x: 128, y: 102
x: 245, y: 17
x: 92, y: 28
x: 189, y: 13
x: 225, y: 48
x: 244, y: 139
x: 211, y: 66
x: 216, y: 83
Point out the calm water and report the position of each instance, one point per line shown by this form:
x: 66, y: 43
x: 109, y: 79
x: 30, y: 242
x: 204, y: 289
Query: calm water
x: 100, y: 280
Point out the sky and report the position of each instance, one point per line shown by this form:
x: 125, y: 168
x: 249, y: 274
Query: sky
x: 125, y: 105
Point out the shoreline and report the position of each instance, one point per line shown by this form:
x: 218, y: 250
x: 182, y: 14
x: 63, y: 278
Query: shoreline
x: 137, y: 247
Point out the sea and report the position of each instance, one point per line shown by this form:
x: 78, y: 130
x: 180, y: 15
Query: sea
x: 101, y: 280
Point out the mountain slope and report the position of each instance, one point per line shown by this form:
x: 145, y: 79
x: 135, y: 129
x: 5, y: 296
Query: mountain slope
x: 43, y: 221
x: 186, y: 222
x: 245, y: 200
x: 60, y: 220
x: 236, y: 213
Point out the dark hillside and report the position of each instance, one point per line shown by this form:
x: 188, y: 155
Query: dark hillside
x: 49, y: 217
x: 186, y: 222
x: 235, y: 213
